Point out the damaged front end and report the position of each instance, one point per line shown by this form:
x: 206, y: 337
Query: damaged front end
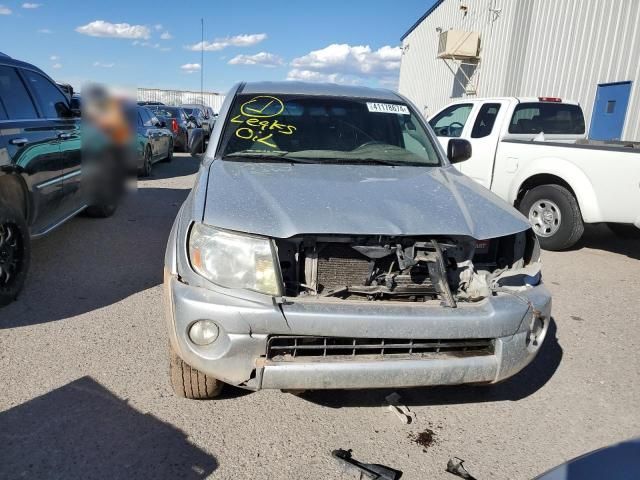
x: 448, y: 269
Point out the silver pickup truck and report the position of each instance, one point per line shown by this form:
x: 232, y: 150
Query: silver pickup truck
x: 329, y: 243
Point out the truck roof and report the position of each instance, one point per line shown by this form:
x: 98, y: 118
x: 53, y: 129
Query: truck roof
x: 325, y: 89
x: 517, y: 99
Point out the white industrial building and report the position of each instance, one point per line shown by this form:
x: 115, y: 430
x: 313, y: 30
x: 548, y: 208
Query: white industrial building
x: 181, y: 97
x: 582, y: 50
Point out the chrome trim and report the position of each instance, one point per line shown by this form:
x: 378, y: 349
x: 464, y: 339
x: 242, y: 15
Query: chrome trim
x: 56, y: 225
x: 53, y: 181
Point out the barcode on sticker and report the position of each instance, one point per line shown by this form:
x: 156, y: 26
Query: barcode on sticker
x: 388, y: 108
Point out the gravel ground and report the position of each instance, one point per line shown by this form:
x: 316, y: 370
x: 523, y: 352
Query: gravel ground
x: 84, y: 385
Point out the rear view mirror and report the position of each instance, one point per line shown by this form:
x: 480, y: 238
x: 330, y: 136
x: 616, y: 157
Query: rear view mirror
x: 458, y: 150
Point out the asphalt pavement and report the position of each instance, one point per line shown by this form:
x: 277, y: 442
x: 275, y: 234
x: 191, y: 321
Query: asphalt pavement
x: 84, y: 389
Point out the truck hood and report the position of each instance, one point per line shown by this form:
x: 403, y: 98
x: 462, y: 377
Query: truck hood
x: 282, y: 200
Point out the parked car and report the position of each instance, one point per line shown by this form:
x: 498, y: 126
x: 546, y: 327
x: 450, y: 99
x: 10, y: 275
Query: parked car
x: 198, y: 112
x: 615, y: 462
x: 146, y: 103
x: 40, y: 168
x: 177, y: 121
x: 154, y: 142
x: 329, y: 243
x: 532, y: 152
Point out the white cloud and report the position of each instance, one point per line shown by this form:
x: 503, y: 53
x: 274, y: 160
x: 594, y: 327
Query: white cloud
x: 57, y: 66
x: 31, y: 5
x: 138, y: 43
x: 5, y: 10
x: 158, y: 26
x: 347, y: 63
x: 100, y: 28
x: 244, y: 40
x: 191, y: 67
x: 103, y: 65
x: 166, y: 36
x: 53, y: 58
x: 264, y: 59
x: 45, y: 30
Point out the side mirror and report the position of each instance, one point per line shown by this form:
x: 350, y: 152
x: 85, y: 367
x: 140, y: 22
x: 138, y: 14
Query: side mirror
x: 458, y: 150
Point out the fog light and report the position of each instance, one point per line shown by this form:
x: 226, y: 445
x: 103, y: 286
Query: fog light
x: 203, y: 332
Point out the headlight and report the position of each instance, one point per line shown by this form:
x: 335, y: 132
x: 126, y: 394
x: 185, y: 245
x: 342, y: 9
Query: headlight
x: 232, y: 260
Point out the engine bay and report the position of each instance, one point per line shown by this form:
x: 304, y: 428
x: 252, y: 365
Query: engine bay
x: 410, y: 269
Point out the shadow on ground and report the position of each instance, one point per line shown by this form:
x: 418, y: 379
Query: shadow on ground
x: 531, y: 379
x: 91, y: 263
x: 599, y: 237
x: 83, y: 431
x: 180, y: 166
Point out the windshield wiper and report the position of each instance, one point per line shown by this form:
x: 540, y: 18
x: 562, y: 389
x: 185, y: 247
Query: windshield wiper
x: 270, y: 156
x: 380, y: 161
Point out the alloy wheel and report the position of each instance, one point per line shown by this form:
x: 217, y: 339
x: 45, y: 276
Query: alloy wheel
x: 10, y: 253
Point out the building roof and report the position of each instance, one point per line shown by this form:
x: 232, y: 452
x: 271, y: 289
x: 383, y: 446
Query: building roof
x: 327, y: 89
x: 426, y: 14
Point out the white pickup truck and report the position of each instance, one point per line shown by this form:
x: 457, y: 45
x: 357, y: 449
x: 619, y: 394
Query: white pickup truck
x: 533, y: 153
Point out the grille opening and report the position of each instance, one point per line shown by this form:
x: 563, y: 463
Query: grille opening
x: 287, y: 348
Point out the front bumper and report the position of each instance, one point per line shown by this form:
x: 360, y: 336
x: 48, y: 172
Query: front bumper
x: 238, y: 356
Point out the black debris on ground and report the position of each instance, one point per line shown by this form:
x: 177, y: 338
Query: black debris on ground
x: 425, y: 438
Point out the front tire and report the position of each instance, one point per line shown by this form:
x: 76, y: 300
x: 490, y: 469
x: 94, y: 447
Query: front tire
x: 187, y: 382
x: 554, y: 215
x: 15, y: 253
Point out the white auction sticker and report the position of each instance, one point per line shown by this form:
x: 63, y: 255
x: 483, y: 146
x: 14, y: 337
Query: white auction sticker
x: 388, y: 108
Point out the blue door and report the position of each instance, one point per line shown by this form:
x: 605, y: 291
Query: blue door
x: 609, y: 110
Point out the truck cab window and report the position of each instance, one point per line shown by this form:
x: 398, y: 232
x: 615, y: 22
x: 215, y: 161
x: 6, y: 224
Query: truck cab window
x: 451, y: 121
x: 485, y: 120
x: 550, y: 118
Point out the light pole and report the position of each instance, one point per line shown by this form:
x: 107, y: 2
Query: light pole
x: 202, y: 61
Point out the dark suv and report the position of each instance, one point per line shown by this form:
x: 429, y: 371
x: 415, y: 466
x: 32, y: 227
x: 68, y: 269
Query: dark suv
x: 40, y: 167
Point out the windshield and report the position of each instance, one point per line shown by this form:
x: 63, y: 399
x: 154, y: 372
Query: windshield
x: 166, y: 112
x: 326, y: 130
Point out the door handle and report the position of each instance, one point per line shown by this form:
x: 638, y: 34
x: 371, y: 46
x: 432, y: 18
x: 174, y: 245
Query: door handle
x: 18, y: 141
x: 64, y: 136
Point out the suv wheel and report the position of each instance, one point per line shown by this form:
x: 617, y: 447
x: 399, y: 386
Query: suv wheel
x: 146, y: 163
x: 554, y: 215
x: 169, y: 156
x: 187, y: 382
x: 15, y: 253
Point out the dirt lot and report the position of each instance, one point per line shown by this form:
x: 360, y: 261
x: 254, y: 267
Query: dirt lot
x: 84, y: 390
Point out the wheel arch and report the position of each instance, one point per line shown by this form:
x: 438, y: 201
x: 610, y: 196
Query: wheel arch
x: 13, y: 191
x: 556, y: 171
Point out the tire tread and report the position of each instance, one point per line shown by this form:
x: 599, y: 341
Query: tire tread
x: 189, y: 382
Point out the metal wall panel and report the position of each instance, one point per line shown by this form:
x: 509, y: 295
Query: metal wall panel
x: 561, y: 48
x: 179, y: 97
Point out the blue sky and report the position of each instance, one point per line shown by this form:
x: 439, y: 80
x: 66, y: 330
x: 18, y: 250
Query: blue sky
x: 155, y: 43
